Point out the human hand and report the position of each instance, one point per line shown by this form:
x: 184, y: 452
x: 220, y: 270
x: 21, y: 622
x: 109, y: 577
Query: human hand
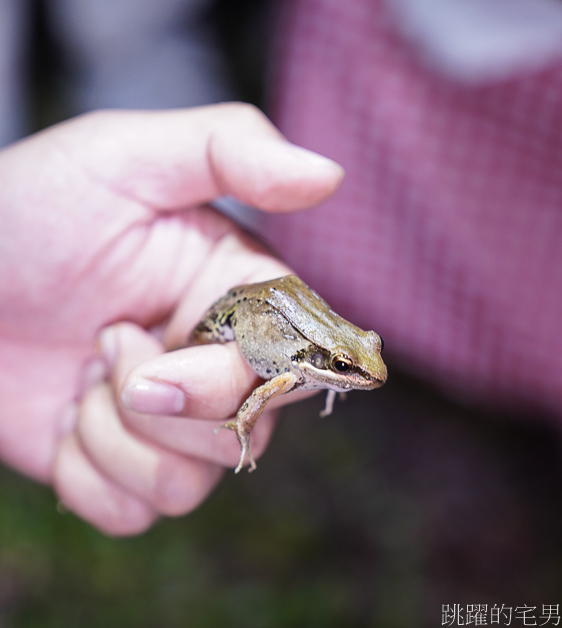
x: 103, y: 222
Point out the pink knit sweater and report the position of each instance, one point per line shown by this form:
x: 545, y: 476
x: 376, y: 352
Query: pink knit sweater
x: 446, y: 235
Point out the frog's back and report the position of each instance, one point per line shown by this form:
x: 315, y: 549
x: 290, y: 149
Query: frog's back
x: 311, y: 315
x: 301, y: 306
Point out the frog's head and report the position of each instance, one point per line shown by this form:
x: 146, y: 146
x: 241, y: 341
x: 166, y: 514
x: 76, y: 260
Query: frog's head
x: 357, y: 365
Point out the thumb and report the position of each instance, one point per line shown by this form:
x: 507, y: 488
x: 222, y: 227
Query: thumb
x: 184, y: 157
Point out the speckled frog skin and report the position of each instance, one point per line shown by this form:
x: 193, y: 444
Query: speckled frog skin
x: 293, y: 339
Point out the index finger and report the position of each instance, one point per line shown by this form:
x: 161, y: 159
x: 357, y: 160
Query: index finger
x: 204, y: 382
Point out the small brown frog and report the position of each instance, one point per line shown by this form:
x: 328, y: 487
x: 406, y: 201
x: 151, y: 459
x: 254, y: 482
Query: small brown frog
x: 293, y: 339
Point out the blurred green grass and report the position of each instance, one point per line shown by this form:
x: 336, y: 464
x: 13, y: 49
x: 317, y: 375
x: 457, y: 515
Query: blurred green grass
x: 245, y: 558
x: 228, y: 564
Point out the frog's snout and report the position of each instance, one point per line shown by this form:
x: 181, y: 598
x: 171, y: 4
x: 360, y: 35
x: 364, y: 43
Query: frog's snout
x: 379, y: 372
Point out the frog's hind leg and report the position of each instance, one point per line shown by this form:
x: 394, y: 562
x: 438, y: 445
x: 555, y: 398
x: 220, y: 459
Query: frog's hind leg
x: 251, y: 410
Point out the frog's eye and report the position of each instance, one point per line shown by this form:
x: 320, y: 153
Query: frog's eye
x: 342, y: 364
x: 317, y: 360
x: 382, y: 344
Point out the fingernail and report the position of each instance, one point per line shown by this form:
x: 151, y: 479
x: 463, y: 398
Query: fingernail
x: 150, y: 397
x: 316, y: 160
x: 108, y: 346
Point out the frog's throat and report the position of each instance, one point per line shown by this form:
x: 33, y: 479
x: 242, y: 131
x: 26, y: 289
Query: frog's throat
x: 350, y: 381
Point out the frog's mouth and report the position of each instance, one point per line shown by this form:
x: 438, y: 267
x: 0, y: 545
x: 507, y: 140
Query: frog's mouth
x: 357, y: 379
x: 367, y: 381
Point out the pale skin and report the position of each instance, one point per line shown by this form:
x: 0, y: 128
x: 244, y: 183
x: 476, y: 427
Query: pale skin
x: 105, y: 234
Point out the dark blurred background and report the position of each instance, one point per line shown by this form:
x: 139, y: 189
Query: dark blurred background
x: 402, y: 501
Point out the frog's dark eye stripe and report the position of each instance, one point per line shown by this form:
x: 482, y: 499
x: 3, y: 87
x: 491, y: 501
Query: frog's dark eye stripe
x: 342, y: 364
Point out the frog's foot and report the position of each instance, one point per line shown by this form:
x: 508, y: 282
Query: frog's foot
x: 330, y: 398
x: 246, y: 450
x: 244, y: 440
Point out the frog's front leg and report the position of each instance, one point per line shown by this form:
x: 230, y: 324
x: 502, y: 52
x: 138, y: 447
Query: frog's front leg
x: 251, y: 409
x: 330, y: 398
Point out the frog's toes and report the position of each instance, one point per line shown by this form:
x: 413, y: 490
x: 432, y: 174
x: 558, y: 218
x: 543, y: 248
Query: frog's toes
x: 253, y: 466
x: 230, y: 425
x: 246, y: 450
